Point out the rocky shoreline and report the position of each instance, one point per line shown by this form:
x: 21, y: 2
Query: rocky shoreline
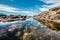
x: 28, y: 32
x: 6, y: 18
x: 50, y: 18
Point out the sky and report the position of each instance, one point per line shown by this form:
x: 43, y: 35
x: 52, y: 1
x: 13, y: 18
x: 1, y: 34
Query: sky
x: 26, y: 7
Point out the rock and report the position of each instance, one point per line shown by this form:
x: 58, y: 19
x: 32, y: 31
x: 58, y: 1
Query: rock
x: 9, y: 18
x: 50, y: 18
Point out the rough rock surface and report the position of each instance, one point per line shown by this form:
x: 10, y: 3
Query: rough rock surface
x: 27, y: 30
x: 50, y: 18
x: 15, y: 32
x: 9, y: 18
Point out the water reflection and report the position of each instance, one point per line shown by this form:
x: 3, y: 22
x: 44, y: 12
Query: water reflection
x: 26, y: 30
x: 30, y: 21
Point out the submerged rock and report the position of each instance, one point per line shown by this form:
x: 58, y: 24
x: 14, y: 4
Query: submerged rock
x: 50, y: 18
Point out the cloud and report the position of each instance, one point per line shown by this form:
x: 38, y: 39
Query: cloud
x: 7, y: 8
x: 29, y: 13
x: 53, y: 3
x: 43, y: 9
x: 16, y: 10
x: 50, y: 1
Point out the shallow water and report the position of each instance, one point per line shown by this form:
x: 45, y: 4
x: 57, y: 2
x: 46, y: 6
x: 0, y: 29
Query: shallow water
x: 10, y: 30
x: 29, y: 21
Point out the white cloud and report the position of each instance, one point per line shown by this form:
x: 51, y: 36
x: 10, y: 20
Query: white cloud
x: 7, y: 8
x: 16, y: 10
x: 50, y: 1
x: 27, y: 13
x: 54, y: 3
x: 43, y: 9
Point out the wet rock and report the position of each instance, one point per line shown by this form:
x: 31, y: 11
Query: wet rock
x: 50, y: 18
x: 9, y: 18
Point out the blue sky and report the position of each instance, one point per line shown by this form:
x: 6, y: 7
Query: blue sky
x: 26, y: 7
